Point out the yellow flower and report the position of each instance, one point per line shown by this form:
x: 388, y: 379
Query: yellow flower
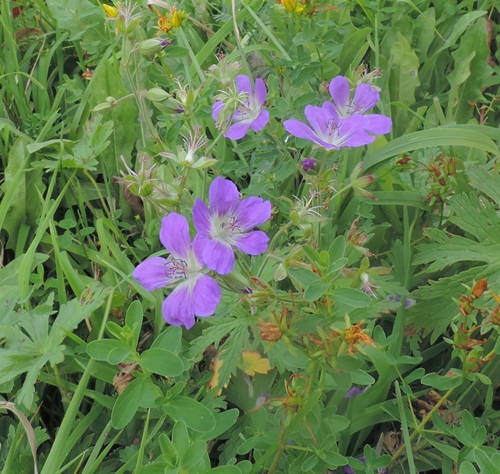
x: 292, y: 6
x: 111, y: 11
x: 215, y: 367
x: 177, y: 17
x: 252, y: 363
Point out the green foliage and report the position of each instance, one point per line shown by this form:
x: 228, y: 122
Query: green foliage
x: 370, y: 309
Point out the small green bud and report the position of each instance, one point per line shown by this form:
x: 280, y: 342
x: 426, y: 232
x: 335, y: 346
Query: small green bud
x: 102, y: 107
x: 157, y: 95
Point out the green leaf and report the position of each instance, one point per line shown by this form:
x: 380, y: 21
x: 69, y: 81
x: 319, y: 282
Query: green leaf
x: 176, y: 52
x: 118, y: 354
x: 303, y: 275
x: 195, y: 415
x: 437, y: 137
x: 484, y: 462
x: 106, y: 82
x: 127, y: 403
x: 133, y: 320
x: 101, y: 349
x: 351, y: 297
x: 467, y: 468
x: 316, y: 290
x: 170, y: 339
x: 440, y: 382
x: 162, y: 362
x: 193, y: 455
x: 224, y: 470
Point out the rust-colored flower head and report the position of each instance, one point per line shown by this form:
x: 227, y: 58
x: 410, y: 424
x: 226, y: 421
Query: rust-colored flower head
x: 354, y: 335
x: 270, y: 332
x: 480, y: 287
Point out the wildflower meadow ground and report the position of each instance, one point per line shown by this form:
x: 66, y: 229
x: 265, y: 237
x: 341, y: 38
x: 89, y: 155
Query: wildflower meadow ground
x: 249, y: 236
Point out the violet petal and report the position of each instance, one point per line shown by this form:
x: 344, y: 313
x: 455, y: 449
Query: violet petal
x: 365, y: 98
x: 178, y: 308
x: 206, y: 296
x: 260, y: 91
x: 216, y: 109
x: 237, y: 131
x: 252, y: 211
x: 261, y: 121
x: 244, y: 84
x: 378, y: 124
x: 153, y: 273
x: 218, y: 256
x: 253, y: 243
x: 174, y: 235
x: 223, y: 196
x: 201, y: 217
x: 341, y: 94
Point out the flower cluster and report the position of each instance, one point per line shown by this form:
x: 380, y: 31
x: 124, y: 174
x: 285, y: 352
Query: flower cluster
x: 224, y: 226
x: 343, y: 122
x: 248, y: 111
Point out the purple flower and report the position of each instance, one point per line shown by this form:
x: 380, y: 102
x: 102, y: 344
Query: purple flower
x: 196, y: 294
x: 226, y: 224
x: 355, y: 391
x: 249, y: 112
x: 365, y: 98
x: 397, y: 299
x: 328, y: 130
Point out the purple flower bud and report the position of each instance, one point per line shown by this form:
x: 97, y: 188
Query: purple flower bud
x: 355, y: 391
x: 308, y: 164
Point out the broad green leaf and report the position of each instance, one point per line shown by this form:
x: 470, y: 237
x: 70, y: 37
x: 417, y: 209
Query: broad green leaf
x: 101, y: 349
x: 195, y: 415
x: 303, y: 275
x: 127, y: 403
x: 161, y: 362
x: 133, y: 320
x: 193, y: 455
x: 170, y: 339
x: 316, y: 290
x: 403, y: 80
x: 351, y: 297
x: 224, y: 470
x: 351, y: 46
x: 484, y: 462
x: 467, y: 468
x: 441, y: 382
x: 106, y: 82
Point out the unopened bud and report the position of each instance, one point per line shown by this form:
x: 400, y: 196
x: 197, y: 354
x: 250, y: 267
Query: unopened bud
x: 152, y: 46
x: 111, y: 12
x: 323, y: 88
x: 102, y: 107
x: 480, y: 287
x: 157, y: 95
x: 270, y: 332
x: 309, y: 165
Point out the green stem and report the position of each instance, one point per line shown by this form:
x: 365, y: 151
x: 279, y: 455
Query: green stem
x: 59, y: 448
x: 422, y: 424
x: 184, y: 41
